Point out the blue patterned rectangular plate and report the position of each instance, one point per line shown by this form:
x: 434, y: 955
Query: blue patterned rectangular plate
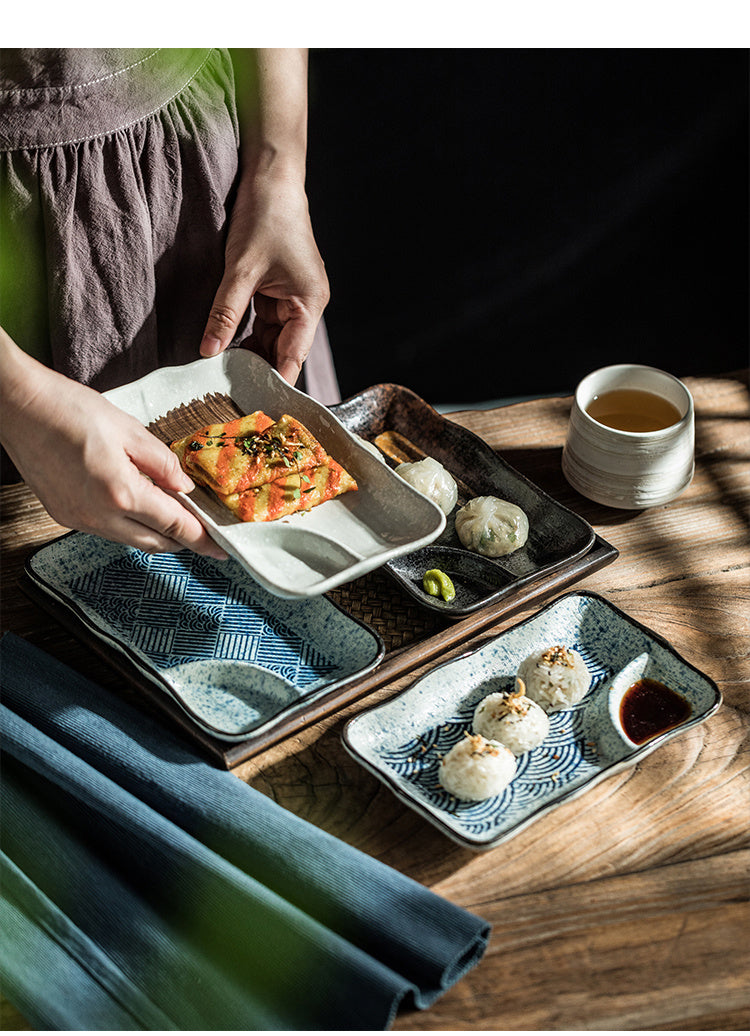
x: 402, y: 740
x: 237, y: 659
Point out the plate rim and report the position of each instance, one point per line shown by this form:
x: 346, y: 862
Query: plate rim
x: 617, y: 766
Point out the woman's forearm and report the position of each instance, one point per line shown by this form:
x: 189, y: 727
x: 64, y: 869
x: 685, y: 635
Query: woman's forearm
x: 20, y: 375
x: 272, y: 259
x: 271, y: 86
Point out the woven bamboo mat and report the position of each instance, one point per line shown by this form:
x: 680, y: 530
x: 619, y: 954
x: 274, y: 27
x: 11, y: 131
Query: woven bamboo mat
x: 374, y: 598
x: 216, y: 407
x: 377, y: 600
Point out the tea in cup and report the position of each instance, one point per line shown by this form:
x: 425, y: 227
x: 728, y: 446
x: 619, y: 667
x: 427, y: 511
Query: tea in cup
x: 631, y: 437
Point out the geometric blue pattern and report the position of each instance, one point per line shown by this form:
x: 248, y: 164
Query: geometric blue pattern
x: 233, y: 655
x: 176, y: 608
x: 566, y: 758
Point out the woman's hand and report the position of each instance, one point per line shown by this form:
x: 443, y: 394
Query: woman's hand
x: 271, y: 255
x: 271, y: 259
x: 86, y: 460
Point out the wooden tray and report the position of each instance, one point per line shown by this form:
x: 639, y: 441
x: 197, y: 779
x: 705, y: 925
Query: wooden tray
x: 412, y: 632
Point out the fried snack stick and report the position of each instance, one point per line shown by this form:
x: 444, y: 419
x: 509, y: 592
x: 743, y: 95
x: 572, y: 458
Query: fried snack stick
x: 248, y: 452
x: 300, y: 491
x: 241, y: 462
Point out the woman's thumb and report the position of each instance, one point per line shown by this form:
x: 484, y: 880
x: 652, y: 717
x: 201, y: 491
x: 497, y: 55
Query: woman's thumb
x: 229, y: 306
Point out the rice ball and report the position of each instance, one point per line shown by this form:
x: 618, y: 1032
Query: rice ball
x: 476, y: 768
x: 512, y: 719
x: 554, y: 677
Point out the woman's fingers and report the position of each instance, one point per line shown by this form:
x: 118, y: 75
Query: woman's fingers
x: 285, y: 329
x: 229, y: 306
x: 165, y: 522
x: 158, y: 523
x: 155, y: 459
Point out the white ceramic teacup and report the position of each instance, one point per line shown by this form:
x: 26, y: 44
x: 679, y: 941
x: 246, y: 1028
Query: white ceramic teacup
x: 624, y: 468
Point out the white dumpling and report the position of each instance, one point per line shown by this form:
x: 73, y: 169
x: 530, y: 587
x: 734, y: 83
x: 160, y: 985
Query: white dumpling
x: 433, y: 480
x: 369, y: 446
x: 492, y: 527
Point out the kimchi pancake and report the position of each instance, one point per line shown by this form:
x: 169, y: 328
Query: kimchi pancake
x: 209, y: 441
x: 249, y: 452
x: 294, y: 492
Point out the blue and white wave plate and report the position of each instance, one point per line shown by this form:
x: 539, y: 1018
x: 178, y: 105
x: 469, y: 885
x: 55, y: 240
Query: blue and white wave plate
x: 235, y: 657
x: 401, y: 741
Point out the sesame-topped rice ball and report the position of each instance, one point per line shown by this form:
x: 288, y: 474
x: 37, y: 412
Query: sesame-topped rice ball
x: 476, y: 768
x: 512, y: 719
x: 555, y: 677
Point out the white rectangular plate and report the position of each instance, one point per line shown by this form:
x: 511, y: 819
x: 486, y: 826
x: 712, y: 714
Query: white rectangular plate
x: 402, y: 740
x: 311, y: 552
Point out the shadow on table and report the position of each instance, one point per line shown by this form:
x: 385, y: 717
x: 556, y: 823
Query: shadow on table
x: 332, y: 791
x: 715, y: 456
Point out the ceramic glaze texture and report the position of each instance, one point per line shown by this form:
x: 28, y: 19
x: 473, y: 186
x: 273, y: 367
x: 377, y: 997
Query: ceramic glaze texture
x: 402, y: 740
x: 233, y: 655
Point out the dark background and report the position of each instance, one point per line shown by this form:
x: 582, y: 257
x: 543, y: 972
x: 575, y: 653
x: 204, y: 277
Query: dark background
x: 499, y: 222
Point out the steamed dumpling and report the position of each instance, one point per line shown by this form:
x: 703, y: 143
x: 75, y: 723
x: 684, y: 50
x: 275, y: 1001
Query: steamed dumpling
x: 433, y: 480
x: 490, y: 526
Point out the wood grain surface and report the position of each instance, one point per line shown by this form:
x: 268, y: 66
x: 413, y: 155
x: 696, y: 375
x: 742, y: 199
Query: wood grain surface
x: 627, y: 908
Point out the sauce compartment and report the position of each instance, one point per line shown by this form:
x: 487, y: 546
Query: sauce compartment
x: 644, y: 701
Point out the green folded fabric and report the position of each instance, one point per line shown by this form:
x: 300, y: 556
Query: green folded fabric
x: 144, y: 888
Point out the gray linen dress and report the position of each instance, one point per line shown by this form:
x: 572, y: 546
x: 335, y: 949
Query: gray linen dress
x: 117, y: 174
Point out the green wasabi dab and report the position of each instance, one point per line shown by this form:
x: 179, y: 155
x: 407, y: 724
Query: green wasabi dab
x: 438, y: 584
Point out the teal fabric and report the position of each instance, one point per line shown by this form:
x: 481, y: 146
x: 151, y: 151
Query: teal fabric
x: 143, y: 888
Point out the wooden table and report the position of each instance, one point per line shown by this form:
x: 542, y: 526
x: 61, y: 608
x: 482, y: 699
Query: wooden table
x: 628, y: 907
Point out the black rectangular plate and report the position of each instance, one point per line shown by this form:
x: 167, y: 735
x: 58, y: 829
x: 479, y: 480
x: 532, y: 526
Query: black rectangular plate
x: 557, y: 536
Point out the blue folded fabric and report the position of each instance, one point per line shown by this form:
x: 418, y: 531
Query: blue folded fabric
x: 144, y: 888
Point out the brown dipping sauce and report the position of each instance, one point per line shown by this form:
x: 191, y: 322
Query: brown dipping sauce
x: 648, y: 708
